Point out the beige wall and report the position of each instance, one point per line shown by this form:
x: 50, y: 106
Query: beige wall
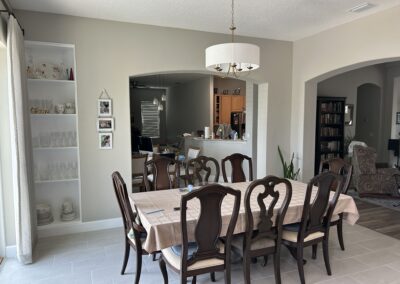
x: 367, y: 41
x: 107, y: 53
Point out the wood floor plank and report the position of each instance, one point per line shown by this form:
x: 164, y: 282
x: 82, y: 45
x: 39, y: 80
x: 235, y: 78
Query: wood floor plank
x: 378, y: 218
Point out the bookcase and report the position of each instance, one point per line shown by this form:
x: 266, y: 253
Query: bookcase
x: 329, y: 131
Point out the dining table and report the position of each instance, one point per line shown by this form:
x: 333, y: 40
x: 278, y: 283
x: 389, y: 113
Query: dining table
x: 159, y: 211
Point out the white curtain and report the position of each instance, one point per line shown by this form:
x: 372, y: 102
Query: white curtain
x: 20, y: 142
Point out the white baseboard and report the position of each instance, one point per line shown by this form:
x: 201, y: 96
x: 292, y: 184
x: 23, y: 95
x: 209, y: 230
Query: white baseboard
x: 11, y: 251
x: 79, y: 227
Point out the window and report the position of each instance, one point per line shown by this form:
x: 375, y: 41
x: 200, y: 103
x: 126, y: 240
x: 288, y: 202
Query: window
x: 150, y: 119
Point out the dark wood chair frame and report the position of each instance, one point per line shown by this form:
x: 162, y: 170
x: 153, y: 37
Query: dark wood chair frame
x: 160, y: 168
x: 207, y: 233
x: 238, y: 174
x: 130, y: 225
x: 199, y: 165
x: 265, y: 228
x: 315, y: 220
x: 141, y: 186
x: 340, y: 167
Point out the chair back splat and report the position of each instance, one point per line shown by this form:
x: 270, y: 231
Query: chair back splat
x: 238, y: 174
x: 202, y: 167
x: 340, y: 167
x: 209, y: 224
x: 164, y: 172
x: 265, y: 228
x: 313, y: 215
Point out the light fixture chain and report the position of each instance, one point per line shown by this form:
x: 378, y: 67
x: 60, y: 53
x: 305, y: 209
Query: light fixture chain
x: 233, y: 28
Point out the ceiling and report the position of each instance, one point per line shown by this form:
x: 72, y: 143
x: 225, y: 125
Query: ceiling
x: 276, y: 19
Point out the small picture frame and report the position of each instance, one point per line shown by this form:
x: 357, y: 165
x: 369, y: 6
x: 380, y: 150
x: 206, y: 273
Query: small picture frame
x: 104, y: 107
x: 105, y: 124
x: 397, y: 117
x: 105, y: 140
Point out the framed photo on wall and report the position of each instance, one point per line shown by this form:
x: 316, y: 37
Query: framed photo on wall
x: 397, y: 117
x: 104, y: 107
x: 105, y: 140
x: 105, y: 124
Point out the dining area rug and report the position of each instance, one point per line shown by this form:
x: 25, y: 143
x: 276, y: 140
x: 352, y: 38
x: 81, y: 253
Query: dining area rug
x: 389, y: 203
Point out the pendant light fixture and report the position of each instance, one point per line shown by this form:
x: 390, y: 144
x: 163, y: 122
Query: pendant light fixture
x: 233, y: 58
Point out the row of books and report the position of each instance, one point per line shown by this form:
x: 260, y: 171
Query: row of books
x: 329, y: 118
x: 330, y: 131
x: 332, y: 107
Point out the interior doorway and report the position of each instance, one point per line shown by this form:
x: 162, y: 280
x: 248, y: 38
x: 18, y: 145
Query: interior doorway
x: 368, y: 115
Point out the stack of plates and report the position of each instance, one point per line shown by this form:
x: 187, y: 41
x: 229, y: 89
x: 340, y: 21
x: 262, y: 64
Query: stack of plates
x: 43, y: 213
x: 67, y: 209
x: 68, y: 216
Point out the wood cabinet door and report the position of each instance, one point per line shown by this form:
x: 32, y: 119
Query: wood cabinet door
x: 238, y: 103
x: 226, y: 109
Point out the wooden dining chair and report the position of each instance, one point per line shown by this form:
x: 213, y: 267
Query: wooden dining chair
x: 138, y: 161
x: 162, y: 172
x: 238, y: 174
x: 340, y: 167
x: 202, y: 167
x: 265, y: 238
x: 192, y: 153
x: 134, y: 233
x: 207, y: 254
x: 315, y: 220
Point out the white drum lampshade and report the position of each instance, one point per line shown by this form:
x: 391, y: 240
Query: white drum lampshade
x: 234, y: 57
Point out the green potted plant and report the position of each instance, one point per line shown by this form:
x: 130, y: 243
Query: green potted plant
x: 288, y: 169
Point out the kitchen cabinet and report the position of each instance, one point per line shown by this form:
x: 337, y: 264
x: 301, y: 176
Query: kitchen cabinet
x: 225, y: 104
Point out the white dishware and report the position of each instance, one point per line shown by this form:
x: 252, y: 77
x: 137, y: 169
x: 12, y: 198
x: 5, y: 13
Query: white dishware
x: 60, y: 108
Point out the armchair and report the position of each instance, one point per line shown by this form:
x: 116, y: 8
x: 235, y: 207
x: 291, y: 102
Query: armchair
x: 370, y: 181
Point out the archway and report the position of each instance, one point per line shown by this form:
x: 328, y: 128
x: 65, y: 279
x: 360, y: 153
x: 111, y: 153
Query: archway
x: 310, y: 96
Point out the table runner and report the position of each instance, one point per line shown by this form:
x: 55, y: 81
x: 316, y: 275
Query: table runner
x: 164, y: 228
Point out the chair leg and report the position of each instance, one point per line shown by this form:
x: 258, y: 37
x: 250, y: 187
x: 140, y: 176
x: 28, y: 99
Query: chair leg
x: 163, y: 269
x: 154, y: 256
x: 246, y: 269
x: 212, y: 276
x: 314, y: 251
x: 339, y: 228
x: 277, y: 266
x: 325, y: 249
x: 126, y: 257
x: 138, y: 265
x: 300, y: 263
x: 193, y: 280
x: 264, y: 263
x: 254, y: 260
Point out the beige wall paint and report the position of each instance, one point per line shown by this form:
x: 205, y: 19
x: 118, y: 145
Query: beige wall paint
x: 367, y: 41
x: 107, y: 53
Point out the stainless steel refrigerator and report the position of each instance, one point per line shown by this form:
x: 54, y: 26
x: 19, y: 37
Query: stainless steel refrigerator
x: 238, y: 122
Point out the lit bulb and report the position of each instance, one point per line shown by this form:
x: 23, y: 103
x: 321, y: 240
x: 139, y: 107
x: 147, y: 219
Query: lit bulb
x: 160, y: 107
x: 155, y: 101
x: 164, y: 98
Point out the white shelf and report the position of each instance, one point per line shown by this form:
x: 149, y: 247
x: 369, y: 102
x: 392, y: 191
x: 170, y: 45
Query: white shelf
x: 55, y: 192
x: 51, y: 81
x: 56, y: 180
x: 57, y: 223
x: 56, y: 148
x: 53, y: 115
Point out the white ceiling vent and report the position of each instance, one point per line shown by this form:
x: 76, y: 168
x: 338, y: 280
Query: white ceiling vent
x: 361, y: 7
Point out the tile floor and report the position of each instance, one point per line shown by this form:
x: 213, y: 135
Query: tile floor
x: 95, y: 257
